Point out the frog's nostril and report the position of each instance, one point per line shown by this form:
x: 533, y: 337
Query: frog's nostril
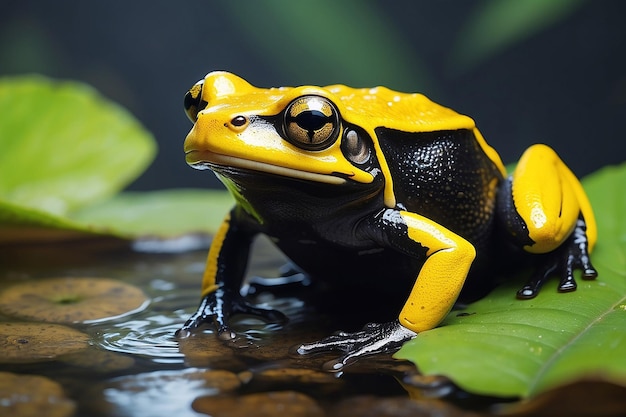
x: 238, y: 121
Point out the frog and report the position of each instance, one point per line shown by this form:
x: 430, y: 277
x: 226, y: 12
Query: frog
x: 376, y: 186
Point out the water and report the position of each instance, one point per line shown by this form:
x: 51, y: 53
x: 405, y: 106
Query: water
x: 133, y: 365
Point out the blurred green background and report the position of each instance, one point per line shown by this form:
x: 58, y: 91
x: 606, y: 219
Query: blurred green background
x: 551, y: 71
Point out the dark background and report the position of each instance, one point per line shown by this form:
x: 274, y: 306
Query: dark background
x: 563, y: 82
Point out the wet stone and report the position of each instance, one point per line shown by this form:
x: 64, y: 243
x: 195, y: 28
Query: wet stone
x: 372, y: 406
x: 99, y: 360
x: 38, y: 342
x: 32, y: 396
x: 71, y: 300
x: 297, y: 375
x: 268, y: 404
x: 206, y: 350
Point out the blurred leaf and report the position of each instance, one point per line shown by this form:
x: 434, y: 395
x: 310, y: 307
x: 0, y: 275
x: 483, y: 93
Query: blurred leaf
x: 159, y: 213
x: 64, y: 146
x: 499, y: 24
x: 328, y: 41
x: 501, y: 346
x: 24, y: 224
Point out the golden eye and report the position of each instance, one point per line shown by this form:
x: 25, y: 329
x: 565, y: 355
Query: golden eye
x: 311, y: 122
x: 193, y: 101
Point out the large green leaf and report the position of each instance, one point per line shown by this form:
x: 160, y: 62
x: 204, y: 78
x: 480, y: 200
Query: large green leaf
x: 159, y: 214
x: 504, y: 347
x: 63, y: 145
x: 65, y: 151
x: 24, y: 224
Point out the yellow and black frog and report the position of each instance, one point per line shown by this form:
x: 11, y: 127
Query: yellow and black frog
x: 374, y: 186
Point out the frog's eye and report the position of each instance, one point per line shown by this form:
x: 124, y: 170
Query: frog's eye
x: 311, y: 122
x: 193, y: 101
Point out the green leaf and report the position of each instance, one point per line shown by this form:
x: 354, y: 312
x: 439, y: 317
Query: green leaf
x: 23, y: 224
x: 65, y: 150
x: 64, y: 146
x: 159, y: 214
x: 497, y: 24
x: 501, y: 346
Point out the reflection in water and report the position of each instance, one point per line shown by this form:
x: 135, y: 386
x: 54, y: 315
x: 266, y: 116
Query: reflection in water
x: 173, y: 391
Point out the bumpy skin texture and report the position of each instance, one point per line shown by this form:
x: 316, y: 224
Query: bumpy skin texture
x: 375, y: 186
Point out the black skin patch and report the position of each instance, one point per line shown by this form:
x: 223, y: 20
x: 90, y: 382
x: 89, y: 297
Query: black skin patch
x: 444, y: 176
x: 509, y: 219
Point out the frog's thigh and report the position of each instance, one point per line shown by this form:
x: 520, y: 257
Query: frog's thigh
x: 442, y: 276
x: 549, y: 198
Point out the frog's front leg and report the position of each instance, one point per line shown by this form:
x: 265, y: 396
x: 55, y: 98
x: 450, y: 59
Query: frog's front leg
x: 221, y: 283
x: 545, y: 210
x: 438, y: 284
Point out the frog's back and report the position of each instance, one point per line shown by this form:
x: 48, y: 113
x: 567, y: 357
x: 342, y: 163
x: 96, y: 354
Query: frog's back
x: 410, y: 112
x: 435, y: 160
x: 444, y: 175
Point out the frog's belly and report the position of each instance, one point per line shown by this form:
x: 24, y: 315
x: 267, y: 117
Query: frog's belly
x: 347, y: 266
x: 369, y: 286
x: 377, y: 272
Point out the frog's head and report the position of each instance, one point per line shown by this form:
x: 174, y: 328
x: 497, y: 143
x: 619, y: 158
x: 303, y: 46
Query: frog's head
x: 321, y: 134
x: 292, y: 132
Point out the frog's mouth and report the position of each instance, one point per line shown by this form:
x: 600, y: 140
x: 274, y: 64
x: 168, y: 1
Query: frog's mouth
x: 209, y: 160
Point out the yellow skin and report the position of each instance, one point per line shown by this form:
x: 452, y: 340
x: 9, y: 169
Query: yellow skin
x: 227, y: 132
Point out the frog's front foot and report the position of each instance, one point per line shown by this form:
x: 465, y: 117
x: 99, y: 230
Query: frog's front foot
x: 373, y: 338
x: 571, y: 255
x: 216, y: 308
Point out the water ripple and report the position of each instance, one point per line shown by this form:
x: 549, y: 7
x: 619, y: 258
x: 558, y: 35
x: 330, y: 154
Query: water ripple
x: 150, y: 336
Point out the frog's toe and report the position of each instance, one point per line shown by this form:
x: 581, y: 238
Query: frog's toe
x: 567, y: 284
x: 201, y: 317
x: 216, y: 309
x: 573, y: 254
x: 372, y: 339
x: 531, y: 289
x: 588, y: 271
x: 341, y: 341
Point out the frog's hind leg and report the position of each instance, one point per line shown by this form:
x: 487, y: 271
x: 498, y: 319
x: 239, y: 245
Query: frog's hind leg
x: 547, y: 211
x: 290, y: 279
